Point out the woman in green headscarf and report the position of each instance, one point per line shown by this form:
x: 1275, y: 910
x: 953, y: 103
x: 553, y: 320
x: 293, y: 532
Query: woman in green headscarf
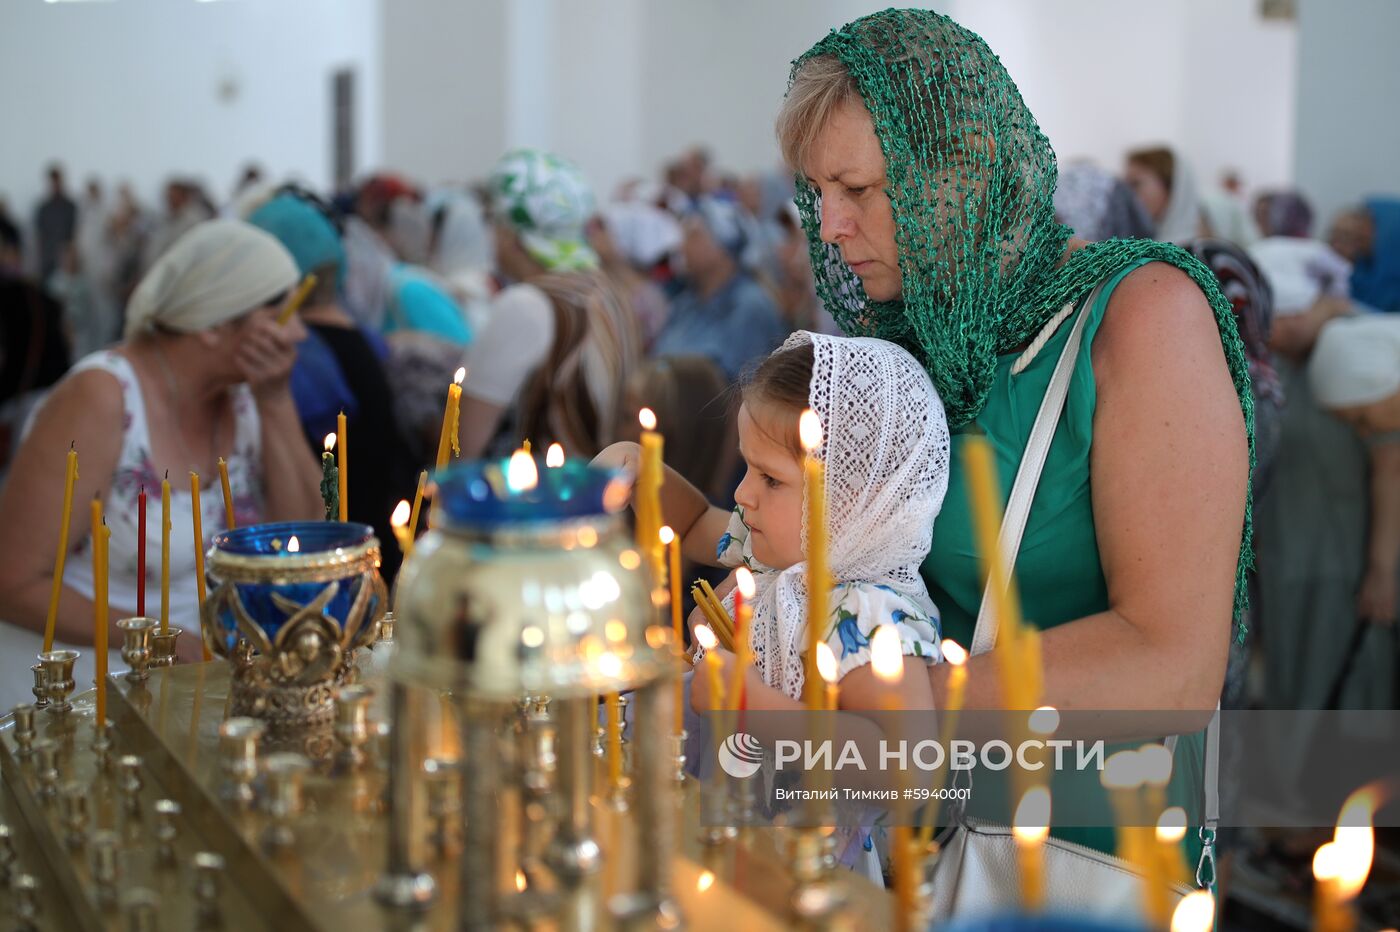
x: 926, y: 190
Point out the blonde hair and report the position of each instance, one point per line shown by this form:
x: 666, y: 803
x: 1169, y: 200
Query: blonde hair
x: 821, y: 85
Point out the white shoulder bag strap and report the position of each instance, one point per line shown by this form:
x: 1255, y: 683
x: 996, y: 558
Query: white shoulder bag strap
x: 1013, y: 527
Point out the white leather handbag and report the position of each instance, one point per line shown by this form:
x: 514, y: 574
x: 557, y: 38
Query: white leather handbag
x: 977, y: 872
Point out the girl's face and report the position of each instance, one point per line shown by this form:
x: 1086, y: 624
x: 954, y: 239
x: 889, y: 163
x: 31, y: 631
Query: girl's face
x: 771, y: 493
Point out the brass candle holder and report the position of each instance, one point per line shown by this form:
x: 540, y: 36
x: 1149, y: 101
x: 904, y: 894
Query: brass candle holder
x: 41, y: 686
x: 136, y: 646
x: 167, y: 829
x: 24, y: 729
x: 352, y: 730
x: 58, y: 678
x: 46, y: 769
x: 163, y: 646
x: 238, y: 759
x: 74, y: 808
x: 285, y: 771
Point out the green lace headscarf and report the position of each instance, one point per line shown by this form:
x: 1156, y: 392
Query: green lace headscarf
x: 971, y: 181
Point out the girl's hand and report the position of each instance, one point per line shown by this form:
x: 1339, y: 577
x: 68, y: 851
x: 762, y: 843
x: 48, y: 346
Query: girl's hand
x: 625, y: 456
x: 700, y: 699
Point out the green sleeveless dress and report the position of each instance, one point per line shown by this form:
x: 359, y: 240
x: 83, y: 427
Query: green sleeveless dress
x: 1058, y: 571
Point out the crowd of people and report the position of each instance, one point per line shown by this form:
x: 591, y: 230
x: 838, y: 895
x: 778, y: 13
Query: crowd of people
x: 153, y: 340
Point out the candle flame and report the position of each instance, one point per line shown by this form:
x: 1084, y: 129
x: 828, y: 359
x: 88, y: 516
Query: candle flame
x: 1195, y: 912
x: 705, y: 882
x: 953, y: 652
x: 1044, y: 720
x: 886, y: 654
x: 1156, y: 763
x: 521, y: 473
x: 520, y: 882
x: 401, y: 512
x: 1122, y: 771
x: 554, y: 456
x: 1032, y: 820
x: 744, y: 580
x: 809, y: 429
x: 329, y: 442
x: 1171, y: 827
x: 459, y: 375
x: 1355, y: 842
x: 706, y: 637
x: 826, y: 662
x: 667, y: 535
x: 1326, y: 863
x: 294, y: 545
x: 647, y: 418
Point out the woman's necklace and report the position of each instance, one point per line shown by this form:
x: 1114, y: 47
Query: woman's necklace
x: 173, y: 385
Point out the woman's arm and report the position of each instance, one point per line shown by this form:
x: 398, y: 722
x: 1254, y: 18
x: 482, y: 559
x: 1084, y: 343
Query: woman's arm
x: 683, y: 506
x: 1169, y: 470
x: 1376, y: 600
x: 87, y: 407
x: 291, y: 479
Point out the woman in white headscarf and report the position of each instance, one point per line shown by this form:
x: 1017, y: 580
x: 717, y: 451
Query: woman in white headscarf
x: 202, y: 374
x: 1166, y: 186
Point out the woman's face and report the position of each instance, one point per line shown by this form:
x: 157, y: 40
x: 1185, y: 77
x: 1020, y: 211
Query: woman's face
x: 771, y: 493
x: 847, y: 168
x: 1149, y: 188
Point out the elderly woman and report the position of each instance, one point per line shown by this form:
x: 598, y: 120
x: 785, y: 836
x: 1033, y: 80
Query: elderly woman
x: 202, y: 374
x: 926, y: 192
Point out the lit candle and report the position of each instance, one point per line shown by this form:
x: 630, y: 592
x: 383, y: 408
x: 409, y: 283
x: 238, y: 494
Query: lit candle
x: 70, y: 476
x: 709, y: 642
x: 956, y: 657
x: 229, y: 520
x: 1030, y: 826
x: 141, y: 551
x: 1122, y: 776
x: 673, y: 549
x: 1171, y: 829
x: 1195, y: 912
x: 297, y: 299
x: 649, y: 478
x: 100, y: 533
x: 1341, y: 866
x: 614, y: 715
x: 554, y: 456
x: 165, y: 553
x: 450, y: 415
x: 824, y: 727
x: 1328, y: 912
x: 818, y: 574
x: 1155, y: 763
x: 342, y: 452
x: 743, y: 612
x: 398, y: 521
x: 330, y: 479
x: 887, y: 663
x: 198, y: 554
x: 413, y: 515
x: 829, y: 671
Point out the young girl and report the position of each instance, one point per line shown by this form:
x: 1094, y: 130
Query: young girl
x: 886, y: 454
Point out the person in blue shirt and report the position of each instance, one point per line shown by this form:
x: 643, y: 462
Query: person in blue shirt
x: 722, y: 312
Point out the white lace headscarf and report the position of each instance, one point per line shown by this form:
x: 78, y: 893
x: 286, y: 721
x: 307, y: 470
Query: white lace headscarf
x: 886, y: 452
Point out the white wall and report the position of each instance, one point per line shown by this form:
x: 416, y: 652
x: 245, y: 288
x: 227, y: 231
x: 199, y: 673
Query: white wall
x: 131, y: 89
x: 1348, y: 141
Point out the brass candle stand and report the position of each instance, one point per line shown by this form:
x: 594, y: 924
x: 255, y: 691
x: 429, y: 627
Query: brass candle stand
x: 136, y: 646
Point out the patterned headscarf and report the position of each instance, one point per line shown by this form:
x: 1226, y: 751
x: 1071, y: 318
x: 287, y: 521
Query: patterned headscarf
x: 971, y: 182
x: 547, y: 202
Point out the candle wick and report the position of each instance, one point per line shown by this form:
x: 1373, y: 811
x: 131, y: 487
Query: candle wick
x: 167, y: 474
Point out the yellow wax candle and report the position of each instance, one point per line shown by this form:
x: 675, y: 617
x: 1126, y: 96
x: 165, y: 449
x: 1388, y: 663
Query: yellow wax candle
x: 100, y: 533
x: 956, y: 657
x: 887, y: 663
x: 614, y: 715
x: 297, y: 299
x: 342, y: 451
x: 743, y: 651
x: 228, y: 495
x: 450, y: 415
x: 1329, y: 912
x: 165, y: 554
x: 70, y: 476
x: 709, y: 642
x: 413, y: 515
x: 198, y: 554
x: 818, y: 573
x: 649, y: 478
x: 1155, y: 763
x: 1030, y: 826
x: 673, y: 549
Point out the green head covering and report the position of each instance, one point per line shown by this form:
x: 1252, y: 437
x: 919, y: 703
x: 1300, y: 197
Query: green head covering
x: 547, y: 201
x: 971, y: 181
